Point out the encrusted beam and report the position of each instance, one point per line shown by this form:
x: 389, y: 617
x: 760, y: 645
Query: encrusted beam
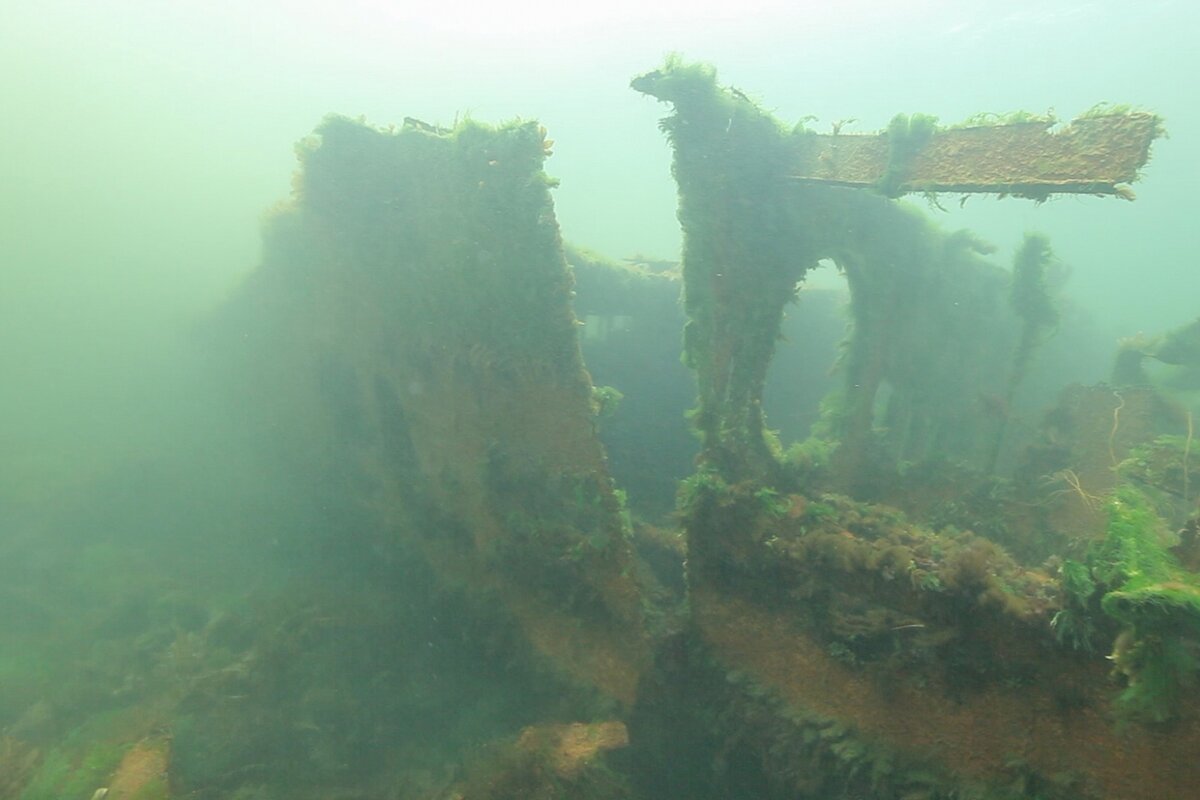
x: 1095, y: 154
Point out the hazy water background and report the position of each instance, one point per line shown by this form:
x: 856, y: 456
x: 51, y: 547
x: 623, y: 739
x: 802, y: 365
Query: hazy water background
x: 144, y: 140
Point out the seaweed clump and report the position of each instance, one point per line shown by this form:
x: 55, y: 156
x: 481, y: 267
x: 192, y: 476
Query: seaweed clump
x: 1034, y: 306
x: 906, y: 136
x: 1157, y: 602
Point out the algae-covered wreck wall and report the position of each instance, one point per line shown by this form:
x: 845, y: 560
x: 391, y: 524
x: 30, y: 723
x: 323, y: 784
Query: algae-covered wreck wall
x: 929, y: 315
x: 880, y: 655
x: 633, y: 323
x: 413, y: 309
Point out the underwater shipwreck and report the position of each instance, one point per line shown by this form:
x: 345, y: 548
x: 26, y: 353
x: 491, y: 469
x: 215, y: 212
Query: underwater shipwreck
x: 539, y: 583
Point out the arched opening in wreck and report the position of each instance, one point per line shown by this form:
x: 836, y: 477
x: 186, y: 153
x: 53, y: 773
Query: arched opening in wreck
x: 803, y: 370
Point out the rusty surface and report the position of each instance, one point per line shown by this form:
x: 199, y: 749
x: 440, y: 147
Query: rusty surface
x: 974, y: 734
x: 1092, y: 155
x: 142, y: 773
x: 572, y: 746
x: 19, y: 762
x: 425, y: 272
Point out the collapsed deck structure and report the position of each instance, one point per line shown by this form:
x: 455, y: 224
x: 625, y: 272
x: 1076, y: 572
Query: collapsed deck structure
x: 813, y: 629
x: 874, y: 640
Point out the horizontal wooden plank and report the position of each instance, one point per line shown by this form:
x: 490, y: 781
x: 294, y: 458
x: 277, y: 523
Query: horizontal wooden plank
x: 1092, y: 155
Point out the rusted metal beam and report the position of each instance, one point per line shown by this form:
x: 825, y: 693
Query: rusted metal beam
x: 1098, y: 154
